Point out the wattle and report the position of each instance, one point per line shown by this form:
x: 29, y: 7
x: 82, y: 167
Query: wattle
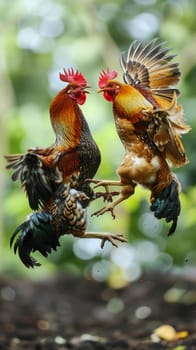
x: 108, y: 96
x: 81, y: 98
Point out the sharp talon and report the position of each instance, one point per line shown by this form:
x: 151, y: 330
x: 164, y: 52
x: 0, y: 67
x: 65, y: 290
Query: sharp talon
x: 112, y: 213
x: 103, y: 242
x: 96, y: 213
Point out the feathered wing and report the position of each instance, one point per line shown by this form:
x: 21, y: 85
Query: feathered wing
x: 148, y: 66
x: 165, y: 128
x: 36, y: 179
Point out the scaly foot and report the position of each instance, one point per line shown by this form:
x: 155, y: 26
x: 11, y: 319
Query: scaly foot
x: 108, y: 195
x: 104, y: 210
x: 112, y: 238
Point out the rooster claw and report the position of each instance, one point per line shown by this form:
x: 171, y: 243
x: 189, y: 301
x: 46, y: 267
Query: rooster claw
x: 112, y: 238
x: 99, y: 183
x: 104, y: 210
x: 107, y: 196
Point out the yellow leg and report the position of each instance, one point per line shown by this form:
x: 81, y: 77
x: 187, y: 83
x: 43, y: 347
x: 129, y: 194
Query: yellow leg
x: 105, y: 236
x: 110, y: 207
x: 108, y: 195
x: 126, y: 192
x: 104, y: 183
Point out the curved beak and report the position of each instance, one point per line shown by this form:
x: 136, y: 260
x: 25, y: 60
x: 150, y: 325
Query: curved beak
x: 100, y: 90
x: 86, y: 87
x: 106, y: 88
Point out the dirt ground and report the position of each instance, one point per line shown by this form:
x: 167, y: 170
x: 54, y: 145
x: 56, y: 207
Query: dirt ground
x: 66, y: 312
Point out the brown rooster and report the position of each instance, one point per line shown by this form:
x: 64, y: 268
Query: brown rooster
x: 149, y: 122
x: 54, y: 178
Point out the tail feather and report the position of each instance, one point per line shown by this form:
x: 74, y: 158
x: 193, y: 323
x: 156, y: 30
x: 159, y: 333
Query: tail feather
x: 167, y: 205
x: 148, y: 65
x: 41, y: 231
x: 37, y: 234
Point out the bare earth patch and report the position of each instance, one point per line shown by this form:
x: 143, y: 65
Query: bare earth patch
x: 66, y: 312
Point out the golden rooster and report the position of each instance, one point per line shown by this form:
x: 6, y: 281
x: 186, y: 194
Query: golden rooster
x: 149, y: 122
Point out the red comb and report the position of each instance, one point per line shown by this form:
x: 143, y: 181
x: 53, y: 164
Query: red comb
x: 73, y: 77
x: 105, y: 76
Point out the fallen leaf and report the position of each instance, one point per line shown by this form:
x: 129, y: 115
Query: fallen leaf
x: 169, y: 333
x: 182, y: 334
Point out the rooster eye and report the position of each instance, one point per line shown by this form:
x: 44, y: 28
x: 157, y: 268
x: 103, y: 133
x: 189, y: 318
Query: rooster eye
x: 111, y: 85
x: 72, y: 89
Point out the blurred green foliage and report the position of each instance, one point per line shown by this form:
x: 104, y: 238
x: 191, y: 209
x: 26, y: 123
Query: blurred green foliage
x: 37, y: 40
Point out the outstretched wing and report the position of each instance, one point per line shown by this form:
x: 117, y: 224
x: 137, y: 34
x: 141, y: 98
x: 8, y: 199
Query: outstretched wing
x: 148, y: 67
x: 165, y: 128
x: 36, y: 179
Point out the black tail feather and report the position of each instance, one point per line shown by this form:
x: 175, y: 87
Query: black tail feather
x: 42, y: 229
x: 166, y: 205
x: 37, y: 234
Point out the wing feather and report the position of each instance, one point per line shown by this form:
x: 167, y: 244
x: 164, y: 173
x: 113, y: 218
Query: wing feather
x: 36, y: 179
x: 149, y: 66
x: 165, y: 128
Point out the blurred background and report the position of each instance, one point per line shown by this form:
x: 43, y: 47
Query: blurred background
x: 39, y: 38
